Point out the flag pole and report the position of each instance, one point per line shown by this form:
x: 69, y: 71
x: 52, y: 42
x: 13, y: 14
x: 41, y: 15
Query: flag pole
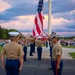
x: 49, y: 16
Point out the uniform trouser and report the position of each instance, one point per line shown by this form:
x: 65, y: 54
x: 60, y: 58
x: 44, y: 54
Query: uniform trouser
x: 57, y: 71
x: 31, y: 49
x: 12, y: 67
x: 34, y: 47
x: 25, y: 52
x: 46, y: 44
x: 39, y: 52
x: 51, y: 55
x: 51, y: 52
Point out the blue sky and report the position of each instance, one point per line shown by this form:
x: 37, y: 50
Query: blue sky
x: 20, y: 14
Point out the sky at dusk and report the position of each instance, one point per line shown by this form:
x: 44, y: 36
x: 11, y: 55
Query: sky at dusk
x: 20, y: 14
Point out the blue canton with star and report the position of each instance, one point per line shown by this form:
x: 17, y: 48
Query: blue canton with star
x: 40, y: 6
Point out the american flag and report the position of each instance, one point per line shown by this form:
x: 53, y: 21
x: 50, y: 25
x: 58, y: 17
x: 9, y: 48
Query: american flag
x: 38, y: 21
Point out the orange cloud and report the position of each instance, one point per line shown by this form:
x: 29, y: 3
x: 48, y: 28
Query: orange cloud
x: 4, y: 5
x: 22, y: 23
x: 65, y: 33
x: 55, y: 21
x: 27, y: 22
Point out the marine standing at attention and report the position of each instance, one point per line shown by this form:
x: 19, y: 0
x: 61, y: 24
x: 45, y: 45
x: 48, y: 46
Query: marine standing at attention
x: 25, y: 43
x: 39, y: 48
x: 14, y: 55
x: 57, y: 63
x: 31, y: 45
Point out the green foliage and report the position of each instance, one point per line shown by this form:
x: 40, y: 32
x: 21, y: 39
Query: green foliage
x: 4, y: 33
x: 72, y: 54
x: 0, y: 48
x: 4, y: 36
x: 70, y: 37
x: 69, y: 46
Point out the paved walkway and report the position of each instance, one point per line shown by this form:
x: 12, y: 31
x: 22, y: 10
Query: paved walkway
x: 66, y: 51
x: 35, y: 67
x: 46, y: 53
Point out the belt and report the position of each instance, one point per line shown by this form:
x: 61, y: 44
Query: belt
x: 13, y: 58
x: 55, y: 59
x: 39, y: 46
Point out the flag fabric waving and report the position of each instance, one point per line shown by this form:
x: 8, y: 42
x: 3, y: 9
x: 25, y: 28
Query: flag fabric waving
x: 38, y: 21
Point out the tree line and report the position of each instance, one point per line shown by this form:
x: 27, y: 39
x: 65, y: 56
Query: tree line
x: 4, y: 33
x: 68, y: 37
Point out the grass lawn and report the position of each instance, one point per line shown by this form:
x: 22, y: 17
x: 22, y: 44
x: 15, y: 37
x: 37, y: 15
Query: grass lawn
x: 72, y: 54
x: 0, y: 48
x: 69, y: 46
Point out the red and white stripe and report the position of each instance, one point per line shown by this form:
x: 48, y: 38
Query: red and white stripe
x: 38, y: 27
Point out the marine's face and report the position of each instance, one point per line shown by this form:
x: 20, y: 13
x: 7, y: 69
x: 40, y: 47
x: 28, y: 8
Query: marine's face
x: 54, y: 40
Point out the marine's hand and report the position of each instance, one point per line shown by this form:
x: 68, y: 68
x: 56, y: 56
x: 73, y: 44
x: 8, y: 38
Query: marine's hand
x: 20, y: 68
x: 3, y: 66
x: 58, y: 67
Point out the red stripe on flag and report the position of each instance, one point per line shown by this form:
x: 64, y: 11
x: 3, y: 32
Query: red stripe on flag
x: 34, y: 33
x: 37, y: 27
x: 41, y: 19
